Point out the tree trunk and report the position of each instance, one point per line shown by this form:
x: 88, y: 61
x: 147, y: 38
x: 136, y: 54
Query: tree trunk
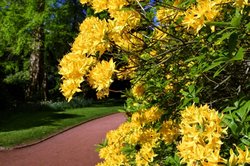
x: 37, y: 87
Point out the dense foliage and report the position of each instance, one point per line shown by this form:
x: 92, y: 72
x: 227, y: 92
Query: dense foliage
x: 27, y: 29
x: 188, y: 62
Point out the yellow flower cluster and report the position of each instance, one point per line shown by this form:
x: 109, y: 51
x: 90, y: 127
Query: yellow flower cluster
x: 128, y: 71
x: 202, y: 134
x: 144, y: 117
x: 169, y: 131
x: 163, y: 13
x: 100, y: 5
x: 241, y: 3
x: 95, y: 37
x: 133, y: 133
x: 200, y: 143
x: 92, y: 37
x: 119, y: 25
x: 138, y: 90
x: 241, y: 159
x: 145, y: 155
x: 73, y: 67
x: 100, y: 75
x: 197, y: 15
x: 127, y: 41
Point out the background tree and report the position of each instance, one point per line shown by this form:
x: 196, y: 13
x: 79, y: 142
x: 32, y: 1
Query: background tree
x: 33, y: 35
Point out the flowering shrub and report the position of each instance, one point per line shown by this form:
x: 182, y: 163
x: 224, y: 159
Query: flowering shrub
x: 177, y: 54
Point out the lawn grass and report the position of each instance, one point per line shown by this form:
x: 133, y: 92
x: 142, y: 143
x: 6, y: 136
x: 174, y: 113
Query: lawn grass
x: 25, y: 127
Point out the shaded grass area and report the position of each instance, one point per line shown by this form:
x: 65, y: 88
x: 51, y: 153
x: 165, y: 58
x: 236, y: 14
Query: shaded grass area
x: 27, y: 126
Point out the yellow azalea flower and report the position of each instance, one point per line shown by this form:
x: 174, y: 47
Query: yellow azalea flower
x: 100, y: 75
x: 70, y: 86
x: 201, y: 140
x: 112, y: 155
x: 152, y: 114
x: 164, y: 14
x: 138, y: 90
x: 134, y: 136
x: 168, y: 76
x: 244, y: 156
x: 84, y: 1
x: 241, y: 3
x: 169, y: 131
x: 102, y: 93
x: 119, y: 135
x: 124, y: 20
x: 116, y: 4
x: 159, y: 35
x: 169, y: 87
x: 153, y: 53
x: 129, y: 70
x: 149, y: 136
x: 99, y: 5
x: 145, y: 155
x: 233, y: 160
x: 138, y: 118
x: 147, y: 116
x: 127, y: 41
x: 197, y: 15
x: 92, y: 37
x: 73, y: 67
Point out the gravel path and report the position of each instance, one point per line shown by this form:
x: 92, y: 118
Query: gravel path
x: 75, y: 147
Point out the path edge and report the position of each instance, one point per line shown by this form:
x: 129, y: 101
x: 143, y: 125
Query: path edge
x: 55, y: 134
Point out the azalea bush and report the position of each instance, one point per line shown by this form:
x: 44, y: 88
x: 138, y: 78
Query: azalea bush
x: 188, y: 63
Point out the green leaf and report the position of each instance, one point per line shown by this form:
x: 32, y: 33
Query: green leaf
x: 243, y: 111
x: 233, y: 42
x: 239, y: 55
x: 234, y: 127
x: 191, y: 89
x: 213, y: 65
x: 228, y: 109
x: 224, y: 36
x: 245, y: 140
x: 219, y: 71
x: 235, y: 22
x: 196, y: 100
x: 248, y: 26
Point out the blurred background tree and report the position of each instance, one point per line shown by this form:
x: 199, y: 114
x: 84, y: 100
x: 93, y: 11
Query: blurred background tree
x: 33, y: 35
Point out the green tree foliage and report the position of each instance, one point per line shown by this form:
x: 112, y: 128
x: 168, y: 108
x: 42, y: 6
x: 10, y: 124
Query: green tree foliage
x: 33, y: 35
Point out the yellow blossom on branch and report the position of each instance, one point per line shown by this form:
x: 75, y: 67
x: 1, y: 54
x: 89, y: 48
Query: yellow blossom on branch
x: 92, y: 37
x: 197, y: 15
x: 100, y: 77
x: 201, y: 140
x: 169, y: 131
x: 115, y: 5
x: 242, y: 158
x: 138, y: 90
x: 99, y: 5
x: 70, y: 86
x: 241, y: 3
x: 145, y: 155
x: 124, y: 20
x: 73, y: 67
x: 84, y: 1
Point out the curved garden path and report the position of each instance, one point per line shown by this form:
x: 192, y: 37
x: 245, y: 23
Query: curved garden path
x: 75, y: 147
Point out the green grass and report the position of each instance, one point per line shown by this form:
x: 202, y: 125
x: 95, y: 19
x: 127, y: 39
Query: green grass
x: 24, y: 127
